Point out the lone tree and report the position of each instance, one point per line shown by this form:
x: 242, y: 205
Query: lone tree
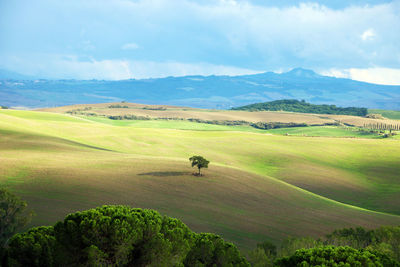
x: 200, y: 162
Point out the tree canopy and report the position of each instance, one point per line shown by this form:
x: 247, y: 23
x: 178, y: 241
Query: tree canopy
x: 293, y: 105
x: 200, y: 162
x: 13, y: 215
x: 336, y: 256
x: 120, y: 236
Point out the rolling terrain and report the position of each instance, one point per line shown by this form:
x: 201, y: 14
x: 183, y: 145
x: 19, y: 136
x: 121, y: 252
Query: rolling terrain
x: 185, y: 113
x: 259, y: 185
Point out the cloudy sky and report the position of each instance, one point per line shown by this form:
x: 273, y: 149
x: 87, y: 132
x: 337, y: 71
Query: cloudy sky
x: 121, y: 39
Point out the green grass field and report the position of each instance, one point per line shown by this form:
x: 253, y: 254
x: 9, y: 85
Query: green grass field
x: 390, y: 114
x: 172, y: 124
x: 259, y: 186
x: 325, y: 131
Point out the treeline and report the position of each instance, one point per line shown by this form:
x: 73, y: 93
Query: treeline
x: 78, y: 111
x: 354, y: 246
x: 257, y: 125
x: 293, y: 105
x: 382, y: 126
x: 117, y: 106
x: 155, y: 108
x: 128, y: 117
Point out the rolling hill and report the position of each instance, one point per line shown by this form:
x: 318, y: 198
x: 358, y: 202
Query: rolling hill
x: 221, y: 92
x: 165, y: 112
x: 258, y: 186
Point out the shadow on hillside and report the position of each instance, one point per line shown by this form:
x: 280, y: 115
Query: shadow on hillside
x: 164, y: 174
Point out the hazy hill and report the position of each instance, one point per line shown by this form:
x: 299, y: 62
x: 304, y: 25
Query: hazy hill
x: 7, y: 74
x: 219, y: 92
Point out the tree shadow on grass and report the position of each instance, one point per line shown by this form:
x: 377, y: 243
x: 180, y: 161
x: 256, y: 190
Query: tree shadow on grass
x: 164, y: 174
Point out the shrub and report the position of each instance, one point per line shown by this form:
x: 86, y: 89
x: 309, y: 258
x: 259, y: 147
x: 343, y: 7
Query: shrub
x: 212, y: 250
x: 336, y: 256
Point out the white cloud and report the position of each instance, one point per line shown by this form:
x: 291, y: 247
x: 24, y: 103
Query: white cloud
x: 130, y: 46
x: 368, y: 35
x: 376, y: 75
x: 221, y: 33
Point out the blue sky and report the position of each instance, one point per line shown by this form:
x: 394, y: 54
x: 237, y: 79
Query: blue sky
x: 121, y: 39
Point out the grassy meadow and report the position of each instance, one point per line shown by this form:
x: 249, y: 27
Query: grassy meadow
x: 390, y: 114
x: 163, y: 111
x: 260, y: 184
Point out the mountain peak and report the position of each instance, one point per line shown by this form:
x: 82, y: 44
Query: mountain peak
x: 300, y: 72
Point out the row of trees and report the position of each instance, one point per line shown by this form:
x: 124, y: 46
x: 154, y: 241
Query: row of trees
x: 293, y: 105
x: 382, y: 126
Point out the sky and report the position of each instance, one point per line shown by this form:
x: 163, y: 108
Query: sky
x: 123, y: 39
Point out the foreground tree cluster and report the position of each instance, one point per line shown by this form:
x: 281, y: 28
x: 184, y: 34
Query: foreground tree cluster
x: 124, y: 236
x: 351, y: 246
x: 120, y: 236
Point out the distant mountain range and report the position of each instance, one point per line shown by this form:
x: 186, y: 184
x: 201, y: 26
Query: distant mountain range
x: 220, y: 92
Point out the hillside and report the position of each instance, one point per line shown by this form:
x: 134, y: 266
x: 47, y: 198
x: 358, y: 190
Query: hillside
x: 142, y: 111
x: 257, y: 187
x: 390, y: 114
x: 220, y: 92
x: 293, y: 105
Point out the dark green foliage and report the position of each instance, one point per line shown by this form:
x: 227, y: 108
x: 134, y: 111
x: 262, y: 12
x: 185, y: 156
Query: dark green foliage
x: 13, y: 215
x: 118, y: 236
x: 353, y: 237
x: 258, y: 125
x: 219, y: 122
x: 385, y: 239
x: 258, y: 258
x: 264, y: 255
x: 121, y: 235
x: 117, y: 106
x: 382, y: 127
x: 303, y: 107
x: 268, y: 247
x: 127, y: 117
x: 200, y: 162
x: 37, y: 247
x: 292, y: 244
x: 274, y: 125
x: 212, y: 250
x: 79, y: 111
x: 336, y: 256
x: 3, y: 107
x: 155, y: 108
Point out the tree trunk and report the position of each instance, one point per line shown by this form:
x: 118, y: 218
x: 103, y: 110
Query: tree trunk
x: 199, y: 171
